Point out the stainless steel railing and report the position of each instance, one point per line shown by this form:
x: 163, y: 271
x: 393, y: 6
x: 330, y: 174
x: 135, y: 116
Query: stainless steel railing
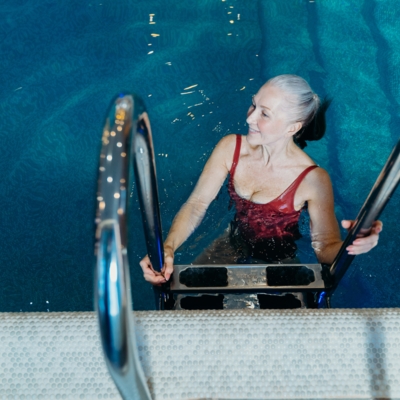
x: 384, y: 187
x: 126, y: 137
x: 126, y: 123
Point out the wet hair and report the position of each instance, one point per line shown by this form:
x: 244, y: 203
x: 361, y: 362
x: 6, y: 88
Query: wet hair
x: 302, y: 105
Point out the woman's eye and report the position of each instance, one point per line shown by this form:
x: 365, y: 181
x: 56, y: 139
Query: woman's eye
x: 264, y: 114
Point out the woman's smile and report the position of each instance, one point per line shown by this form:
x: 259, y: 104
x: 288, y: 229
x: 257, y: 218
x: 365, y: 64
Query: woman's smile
x: 253, y: 131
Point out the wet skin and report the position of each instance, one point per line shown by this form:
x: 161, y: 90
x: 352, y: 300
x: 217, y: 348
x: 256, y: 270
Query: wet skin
x: 269, y: 162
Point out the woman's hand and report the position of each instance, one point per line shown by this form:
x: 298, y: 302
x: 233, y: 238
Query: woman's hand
x: 363, y: 244
x: 154, y: 277
x: 192, y: 212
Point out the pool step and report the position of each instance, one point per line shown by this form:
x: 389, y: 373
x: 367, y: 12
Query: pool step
x: 230, y: 354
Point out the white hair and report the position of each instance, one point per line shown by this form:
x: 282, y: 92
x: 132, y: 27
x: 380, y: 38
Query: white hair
x: 301, y: 103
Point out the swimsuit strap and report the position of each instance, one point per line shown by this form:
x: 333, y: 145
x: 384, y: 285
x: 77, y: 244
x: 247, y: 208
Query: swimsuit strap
x: 293, y: 187
x: 287, y: 196
x: 236, y: 156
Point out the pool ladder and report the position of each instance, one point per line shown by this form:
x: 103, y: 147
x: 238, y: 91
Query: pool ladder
x: 127, y: 145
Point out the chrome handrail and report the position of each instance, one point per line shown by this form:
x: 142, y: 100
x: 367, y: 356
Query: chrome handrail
x: 126, y: 117
x: 146, y: 183
x: 376, y: 201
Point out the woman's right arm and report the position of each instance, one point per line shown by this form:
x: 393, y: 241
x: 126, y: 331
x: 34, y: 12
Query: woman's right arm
x: 192, y: 212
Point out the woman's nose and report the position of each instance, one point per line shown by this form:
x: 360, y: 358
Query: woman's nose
x: 251, y: 115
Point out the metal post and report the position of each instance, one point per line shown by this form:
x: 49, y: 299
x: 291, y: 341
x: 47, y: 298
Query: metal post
x: 146, y: 181
x: 376, y: 201
x: 113, y: 302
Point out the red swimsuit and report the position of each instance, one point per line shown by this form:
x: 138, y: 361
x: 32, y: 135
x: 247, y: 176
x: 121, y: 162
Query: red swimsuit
x: 269, y: 228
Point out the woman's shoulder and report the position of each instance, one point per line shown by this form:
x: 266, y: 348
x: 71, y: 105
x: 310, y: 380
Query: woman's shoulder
x: 225, y: 149
x: 315, y: 185
x: 304, y: 161
x: 226, y: 145
x: 228, y: 140
x: 318, y: 182
x: 318, y: 173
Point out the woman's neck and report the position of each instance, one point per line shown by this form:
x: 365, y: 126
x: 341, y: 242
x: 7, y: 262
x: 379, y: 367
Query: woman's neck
x: 275, y: 154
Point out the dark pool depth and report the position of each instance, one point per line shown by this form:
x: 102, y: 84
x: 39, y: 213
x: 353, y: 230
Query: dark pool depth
x: 196, y: 65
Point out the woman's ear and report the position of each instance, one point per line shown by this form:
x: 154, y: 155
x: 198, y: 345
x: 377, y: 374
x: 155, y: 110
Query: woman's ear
x: 294, y: 128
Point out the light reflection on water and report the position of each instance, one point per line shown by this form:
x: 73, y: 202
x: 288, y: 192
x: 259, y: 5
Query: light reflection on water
x: 94, y: 52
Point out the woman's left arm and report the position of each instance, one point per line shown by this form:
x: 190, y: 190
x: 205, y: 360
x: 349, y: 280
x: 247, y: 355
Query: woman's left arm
x: 325, y: 233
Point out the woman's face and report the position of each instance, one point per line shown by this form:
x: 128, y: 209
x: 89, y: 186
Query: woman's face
x: 267, y: 120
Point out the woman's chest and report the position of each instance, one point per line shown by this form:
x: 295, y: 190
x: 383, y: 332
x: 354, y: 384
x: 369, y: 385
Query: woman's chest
x: 263, y: 186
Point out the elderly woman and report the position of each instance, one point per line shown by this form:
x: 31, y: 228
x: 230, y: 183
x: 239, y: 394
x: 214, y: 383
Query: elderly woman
x: 271, y: 181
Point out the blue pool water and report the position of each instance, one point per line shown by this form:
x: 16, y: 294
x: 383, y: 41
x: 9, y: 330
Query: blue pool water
x: 62, y: 62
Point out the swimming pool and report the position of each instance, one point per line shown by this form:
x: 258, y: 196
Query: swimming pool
x: 196, y: 64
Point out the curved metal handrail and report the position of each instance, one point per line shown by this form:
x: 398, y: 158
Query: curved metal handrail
x: 146, y: 182
x: 126, y: 123
x: 383, y: 188
x: 376, y: 201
